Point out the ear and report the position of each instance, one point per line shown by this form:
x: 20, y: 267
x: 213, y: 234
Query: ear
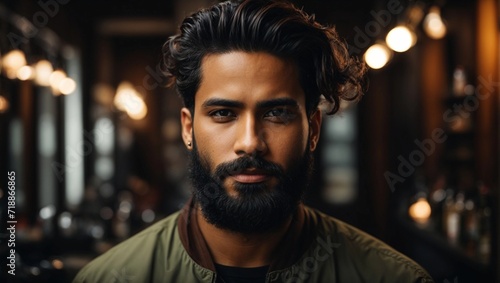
x: 187, y: 127
x: 314, y: 128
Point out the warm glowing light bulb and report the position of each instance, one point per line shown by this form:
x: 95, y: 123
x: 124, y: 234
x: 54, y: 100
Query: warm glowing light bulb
x: 55, y: 80
x: 420, y: 211
x: 129, y: 100
x: 377, y: 56
x: 43, y: 69
x: 67, y: 86
x: 138, y: 111
x: 124, y: 92
x: 433, y: 24
x: 25, y: 73
x: 57, y: 264
x: 12, y: 62
x: 4, y: 104
x: 400, y: 39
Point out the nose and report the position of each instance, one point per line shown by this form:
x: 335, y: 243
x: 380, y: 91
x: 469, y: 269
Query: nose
x: 251, y: 137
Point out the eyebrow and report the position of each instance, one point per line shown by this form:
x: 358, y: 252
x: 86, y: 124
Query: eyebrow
x: 277, y: 102
x: 261, y: 104
x: 222, y: 102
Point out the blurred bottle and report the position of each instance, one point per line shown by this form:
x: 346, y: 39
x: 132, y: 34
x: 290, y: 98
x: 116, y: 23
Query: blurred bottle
x: 452, y: 214
x: 459, y: 81
x: 121, y: 223
x: 484, y: 209
x: 471, y: 227
x: 437, y: 200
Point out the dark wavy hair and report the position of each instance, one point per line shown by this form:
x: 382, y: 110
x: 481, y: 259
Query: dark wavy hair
x: 276, y: 27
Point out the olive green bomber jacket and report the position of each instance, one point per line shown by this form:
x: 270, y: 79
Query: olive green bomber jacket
x: 334, y: 252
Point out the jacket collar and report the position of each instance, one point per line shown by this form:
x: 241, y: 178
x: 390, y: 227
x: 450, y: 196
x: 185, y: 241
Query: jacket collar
x: 293, y: 245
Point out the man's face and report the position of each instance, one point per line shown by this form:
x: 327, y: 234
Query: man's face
x: 253, y: 140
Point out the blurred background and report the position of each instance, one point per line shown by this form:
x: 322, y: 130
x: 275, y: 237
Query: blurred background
x: 90, y: 142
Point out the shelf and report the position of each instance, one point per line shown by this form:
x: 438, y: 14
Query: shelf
x: 440, y: 243
x: 454, y: 99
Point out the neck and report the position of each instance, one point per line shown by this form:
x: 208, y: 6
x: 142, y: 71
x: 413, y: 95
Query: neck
x: 241, y: 250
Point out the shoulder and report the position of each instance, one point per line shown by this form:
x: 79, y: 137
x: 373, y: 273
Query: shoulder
x: 362, y: 257
x: 135, y: 258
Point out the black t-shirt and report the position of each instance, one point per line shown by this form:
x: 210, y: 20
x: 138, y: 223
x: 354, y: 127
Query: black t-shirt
x: 230, y: 274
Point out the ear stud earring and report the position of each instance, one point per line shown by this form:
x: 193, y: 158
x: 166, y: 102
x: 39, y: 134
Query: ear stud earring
x: 189, y: 143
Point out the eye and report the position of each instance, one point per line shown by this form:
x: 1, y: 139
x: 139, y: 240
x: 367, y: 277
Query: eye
x: 222, y: 115
x: 280, y: 115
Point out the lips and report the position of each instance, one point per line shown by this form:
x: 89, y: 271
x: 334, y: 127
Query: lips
x: 251, y: 176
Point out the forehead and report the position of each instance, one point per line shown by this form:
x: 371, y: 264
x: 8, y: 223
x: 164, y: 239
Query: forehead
x: 248, y: 76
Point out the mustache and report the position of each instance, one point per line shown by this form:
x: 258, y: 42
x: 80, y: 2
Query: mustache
x: 247, y: 162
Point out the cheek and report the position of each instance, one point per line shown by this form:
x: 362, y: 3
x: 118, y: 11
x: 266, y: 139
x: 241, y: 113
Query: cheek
x: 213, y: 144
x: 290, y: 144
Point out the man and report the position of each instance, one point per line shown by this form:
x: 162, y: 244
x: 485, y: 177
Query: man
x: 251, y: 75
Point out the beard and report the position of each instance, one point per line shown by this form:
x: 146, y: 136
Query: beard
x: 257, y: 208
